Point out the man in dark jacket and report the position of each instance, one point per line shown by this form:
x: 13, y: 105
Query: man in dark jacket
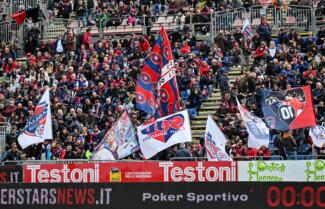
x: 224, y: 83
x: 183, y: 152
x: 90, y: 10
x: 12, y: 154
x: 264, y: 31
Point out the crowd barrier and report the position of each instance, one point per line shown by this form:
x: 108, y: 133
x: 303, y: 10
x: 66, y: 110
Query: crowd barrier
x: 166, y: 171
x: 4, y: 129
x: 205, y: 27
x: 239, y: 195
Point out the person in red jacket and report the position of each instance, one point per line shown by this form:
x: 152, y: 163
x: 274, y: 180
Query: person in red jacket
x: 204, y: 68
x: 86, y: 39
x: 58, y: 152
x: 264, y: 151
x: 261, y: 51
x: 250, y: 152
x: 144, y: 44
x: 185, y: 48
x: 10, y: 65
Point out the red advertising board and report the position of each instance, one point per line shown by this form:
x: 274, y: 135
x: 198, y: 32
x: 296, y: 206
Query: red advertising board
x: 131, y: 172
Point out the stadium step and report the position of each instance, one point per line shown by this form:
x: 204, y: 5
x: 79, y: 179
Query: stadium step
x: 198, y: 122
x: 198, y: 127
x: 206, y: 112
x: 212, y: 107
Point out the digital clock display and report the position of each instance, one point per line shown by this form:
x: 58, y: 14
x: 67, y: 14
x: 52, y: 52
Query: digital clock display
x: 291, y: 197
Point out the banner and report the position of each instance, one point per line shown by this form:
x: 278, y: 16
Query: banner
x: 289, y: 109
x: 215, y: 142
x: 119, y: 142
x: 39, y: 126
x: 11, y: 174
x: 258, y: 133
x: 157, y: 91
x: 131, y: 172
x: 295, y: 170
x: 164, y: 132
x: 235, y: 195
x: 317, y: 134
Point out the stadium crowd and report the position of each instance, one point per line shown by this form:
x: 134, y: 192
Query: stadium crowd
x: 93, y: 81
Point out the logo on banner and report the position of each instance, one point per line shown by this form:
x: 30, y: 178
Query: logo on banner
x: 271, y: 121
x: 213, y: 150
x: 163, y: 130
x: 264, y: 171
x: 35, y: 126
x: 315, y: 170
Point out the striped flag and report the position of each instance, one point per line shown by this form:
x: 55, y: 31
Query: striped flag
x: 157, y: 91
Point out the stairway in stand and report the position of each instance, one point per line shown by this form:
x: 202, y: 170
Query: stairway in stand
x: 209, y: 107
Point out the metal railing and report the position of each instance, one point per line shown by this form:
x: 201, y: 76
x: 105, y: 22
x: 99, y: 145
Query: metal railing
x: 8, y: 29
x: 78, y: 161
x: 244, y: 158
x: 4, y: 129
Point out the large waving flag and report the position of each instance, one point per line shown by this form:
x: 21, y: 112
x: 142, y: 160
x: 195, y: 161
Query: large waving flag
x: 259, y: 133
x: 119, y: 142
x: 157, y: 91
x: 39, y: 126
x: 215, y: 142
x: 289, y: 109
x: 164, y: 132
x: 317, y: 134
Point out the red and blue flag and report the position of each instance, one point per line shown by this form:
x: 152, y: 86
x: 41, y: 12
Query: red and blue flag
x: 157, y: 91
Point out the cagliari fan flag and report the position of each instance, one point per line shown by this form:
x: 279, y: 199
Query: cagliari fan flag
x: 247, y: 30
x: 164, y: 132
x: 215, y: 142
x: 289, y: 109
x: 317, y: 134
x: 157, y: 91
x: 258, y: 132
x: 39, y: 126
x: 119, y: 142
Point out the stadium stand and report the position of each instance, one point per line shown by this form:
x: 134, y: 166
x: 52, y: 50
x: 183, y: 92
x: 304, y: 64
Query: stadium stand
x: 92, y: 70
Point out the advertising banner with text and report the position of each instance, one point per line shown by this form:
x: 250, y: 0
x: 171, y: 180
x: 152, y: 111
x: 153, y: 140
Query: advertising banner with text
x: 202, y: 195
x: 295, y: 170
x: 131, y: 172
x: 11, y: 174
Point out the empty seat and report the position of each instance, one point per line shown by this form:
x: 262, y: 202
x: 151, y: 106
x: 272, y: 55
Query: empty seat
x: 170, y: 19
x: 161, y: 20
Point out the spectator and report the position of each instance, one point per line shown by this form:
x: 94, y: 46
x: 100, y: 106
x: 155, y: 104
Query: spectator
x: 264, y: 30
x: 81, y: 10
x: 11, y: 155
x: 183, y: 152
x: 289, y: 145
x: 86, y: 40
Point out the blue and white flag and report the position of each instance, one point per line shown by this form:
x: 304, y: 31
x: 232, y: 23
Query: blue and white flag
x: 119, y: 142
x: 39, y: 126
x: 247, y: 30
x: 259, y: 134
x: 215, y: 142
x: 317, y: 134
x: 164, y: 132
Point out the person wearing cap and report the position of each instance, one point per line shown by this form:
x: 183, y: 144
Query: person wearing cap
x: 12, y: 155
